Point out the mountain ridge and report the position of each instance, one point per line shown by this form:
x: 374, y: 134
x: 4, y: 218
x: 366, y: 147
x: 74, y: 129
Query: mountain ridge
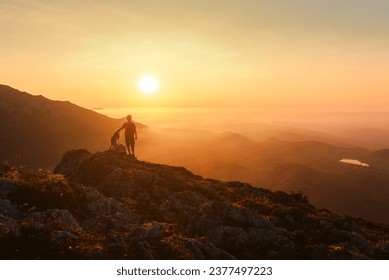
x: 312, y: 167
x: 106, y: 205
x: 37, y: 130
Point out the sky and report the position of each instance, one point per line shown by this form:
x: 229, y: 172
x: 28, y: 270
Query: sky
x: 205, y: 53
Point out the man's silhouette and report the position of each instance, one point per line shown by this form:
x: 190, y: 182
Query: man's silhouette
x: 130, y: 135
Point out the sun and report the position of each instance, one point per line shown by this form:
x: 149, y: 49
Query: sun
x: 148, y: 84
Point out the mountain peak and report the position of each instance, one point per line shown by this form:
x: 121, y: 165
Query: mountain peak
x: 124, y: 173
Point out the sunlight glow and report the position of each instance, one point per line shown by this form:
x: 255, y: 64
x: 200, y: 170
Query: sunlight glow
x: 148, y: 85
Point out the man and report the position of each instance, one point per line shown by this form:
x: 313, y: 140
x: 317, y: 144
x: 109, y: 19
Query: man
x: 130, y: 135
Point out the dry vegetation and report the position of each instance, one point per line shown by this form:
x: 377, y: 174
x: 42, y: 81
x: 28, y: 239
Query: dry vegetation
x: 107, y: 206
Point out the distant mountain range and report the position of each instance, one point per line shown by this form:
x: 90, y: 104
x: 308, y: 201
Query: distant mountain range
x: 36, y: 131
x: 308, y: 166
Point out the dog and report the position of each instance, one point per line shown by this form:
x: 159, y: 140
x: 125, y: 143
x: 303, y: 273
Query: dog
x: 115, y: 139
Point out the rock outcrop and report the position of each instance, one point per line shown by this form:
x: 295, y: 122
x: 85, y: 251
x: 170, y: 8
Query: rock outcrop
x: 109, y: 206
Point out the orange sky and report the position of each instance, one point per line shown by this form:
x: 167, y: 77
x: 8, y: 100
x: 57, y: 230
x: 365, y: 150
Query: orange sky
x: 301, y: 53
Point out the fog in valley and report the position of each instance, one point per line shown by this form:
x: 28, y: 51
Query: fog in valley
x: 279, y: 150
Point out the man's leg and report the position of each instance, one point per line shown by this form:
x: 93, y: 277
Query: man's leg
x: 133, y: 149
x: 128, y: 143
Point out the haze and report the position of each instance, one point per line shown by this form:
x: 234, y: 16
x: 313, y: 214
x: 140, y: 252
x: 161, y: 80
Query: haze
x: 301, y: 54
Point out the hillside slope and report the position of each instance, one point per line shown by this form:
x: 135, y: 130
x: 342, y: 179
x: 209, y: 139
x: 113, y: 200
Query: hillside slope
x: 107, y: 206
x: 36, y: 131
x: 311, y: 167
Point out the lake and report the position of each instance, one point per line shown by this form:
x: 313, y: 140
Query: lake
x: 354, y: 162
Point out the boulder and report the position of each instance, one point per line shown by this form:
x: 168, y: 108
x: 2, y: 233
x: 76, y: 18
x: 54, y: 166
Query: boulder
x: 8, y: 208
x: 114, y: 244
x: 54, y: 219
x: 9, y: 228
x: 71, y: 162
x: 234, y: 240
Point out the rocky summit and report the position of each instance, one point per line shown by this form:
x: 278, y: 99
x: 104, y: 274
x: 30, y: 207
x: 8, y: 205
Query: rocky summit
x: 108, y: 206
